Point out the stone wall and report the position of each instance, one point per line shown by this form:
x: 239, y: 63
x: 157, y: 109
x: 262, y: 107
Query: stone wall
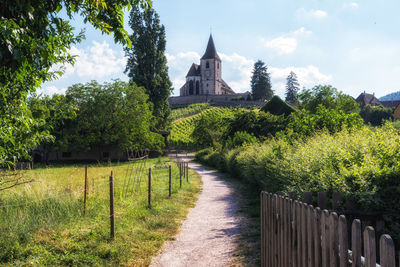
x: 215, y: 100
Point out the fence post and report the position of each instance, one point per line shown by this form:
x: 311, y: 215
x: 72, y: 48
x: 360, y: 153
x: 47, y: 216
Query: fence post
x: 387, y: 251
x: 343, y: 243
x: 310, y: 235
x: 112, y: 222
x: 325, y: 238
x: 369, y: 247
x: 187, y: 172
x: 85, y: 192
x: 263, y: 229
x: 317, y: 236
x: 334, y: 239
x: 356, y: 243
x: 149, y: 190
x: 180, y: 176
x: 169, y: 185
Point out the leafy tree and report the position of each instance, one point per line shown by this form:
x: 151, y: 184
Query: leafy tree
x: 110, y: 114
x: 34, y: 37
x: 376, y: 115
x: 327, y: 96
x: 292, y: 87
x: 147, y: 64
x: 260, y: 82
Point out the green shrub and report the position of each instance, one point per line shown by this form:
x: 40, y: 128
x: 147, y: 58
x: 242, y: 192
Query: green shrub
x: 277, y: 106
x: 240, y: 138
x: 376, y: 116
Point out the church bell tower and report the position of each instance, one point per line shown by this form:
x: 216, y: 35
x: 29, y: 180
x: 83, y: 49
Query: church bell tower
x: 210, y: 65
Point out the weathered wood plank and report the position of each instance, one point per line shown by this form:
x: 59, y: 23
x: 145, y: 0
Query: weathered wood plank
x: 343, y: 243
x: 307, y: 197
x: 310, y: 235
x: 334, y: 239
x: 336, y: 200
x: 298, y: 225
x: 325, y: 238
x: 386, y: 251
x: 356, y: 243
x: 369, y: 247
x: 304, y: 234
x: 317, y: 237
x: 322, y: 200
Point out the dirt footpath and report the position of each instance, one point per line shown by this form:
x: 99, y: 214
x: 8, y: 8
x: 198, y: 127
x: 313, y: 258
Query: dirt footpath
x: 207, y: 237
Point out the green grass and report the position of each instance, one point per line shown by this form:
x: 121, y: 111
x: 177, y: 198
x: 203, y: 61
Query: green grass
x: 42, y: 222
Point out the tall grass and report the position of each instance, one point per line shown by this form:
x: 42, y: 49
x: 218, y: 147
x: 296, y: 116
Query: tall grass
x: 42, y: 223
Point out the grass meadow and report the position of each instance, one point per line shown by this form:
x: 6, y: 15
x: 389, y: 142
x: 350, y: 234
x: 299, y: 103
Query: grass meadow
x: 42, y: 223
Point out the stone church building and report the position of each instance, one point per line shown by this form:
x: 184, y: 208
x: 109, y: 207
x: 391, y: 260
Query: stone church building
x: 206, y: 78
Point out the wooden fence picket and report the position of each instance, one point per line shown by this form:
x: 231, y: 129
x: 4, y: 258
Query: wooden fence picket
x: 387, y: 251
x: 325, y: 238
x: 356, y: 243
x: 343, y: 242
x: 369, y: 247
x: 317, y: 237
x: 310, y: 235
x: 295, y: 234
x: 334, y: 239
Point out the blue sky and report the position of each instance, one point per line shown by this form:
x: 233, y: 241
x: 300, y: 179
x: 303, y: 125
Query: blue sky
x: 352, y: 45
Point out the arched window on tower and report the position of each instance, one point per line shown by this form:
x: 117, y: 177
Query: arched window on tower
x: 207, y: 65
x: 218, y: 65
x: 197, y: 87
x: 191, y: 87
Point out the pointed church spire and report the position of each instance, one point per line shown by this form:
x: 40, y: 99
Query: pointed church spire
x: 211, y: 52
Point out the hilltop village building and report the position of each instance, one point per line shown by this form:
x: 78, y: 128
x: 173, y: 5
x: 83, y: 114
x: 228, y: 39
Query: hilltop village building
x: 204, y: 84
x: 206, y: 78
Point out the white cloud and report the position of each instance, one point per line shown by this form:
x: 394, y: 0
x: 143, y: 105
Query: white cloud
x: 50, y: 90
x: 311, y: 14
x: 307, y: 76
x: 282, y: 45
x: 287, y: 43
x: 350, y: 5
x: 178, y: 66
x: 96, y: 61
x: 237, y: 71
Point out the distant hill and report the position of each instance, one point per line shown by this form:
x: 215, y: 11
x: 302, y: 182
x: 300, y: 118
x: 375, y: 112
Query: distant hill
x: 390, y: 97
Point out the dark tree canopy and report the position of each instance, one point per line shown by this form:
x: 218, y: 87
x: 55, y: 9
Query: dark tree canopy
x: 292, y: 87
x: 260, y: 82
x: 277, y: 106
x: 147, y: 64
x: 34, y: 37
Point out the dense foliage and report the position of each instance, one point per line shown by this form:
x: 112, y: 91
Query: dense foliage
x: 277, y: 106
x: 34, y: 37
x: 115, y: 114
x: 147, y: 64
x: 376, y: 116
x: 260, y: 82
x: 363, y: 165
x: 327, y: 96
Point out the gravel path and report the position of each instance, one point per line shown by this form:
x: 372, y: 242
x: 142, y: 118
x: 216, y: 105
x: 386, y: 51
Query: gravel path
x: 207, y: 237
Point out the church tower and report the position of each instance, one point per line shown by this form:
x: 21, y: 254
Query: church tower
x: 206, y: 78
x: 210, y: 69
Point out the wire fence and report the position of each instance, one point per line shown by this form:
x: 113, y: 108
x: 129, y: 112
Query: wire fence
x: 140, y: 183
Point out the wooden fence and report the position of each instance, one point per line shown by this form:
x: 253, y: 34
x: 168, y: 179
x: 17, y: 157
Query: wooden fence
x: 295, y: 234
